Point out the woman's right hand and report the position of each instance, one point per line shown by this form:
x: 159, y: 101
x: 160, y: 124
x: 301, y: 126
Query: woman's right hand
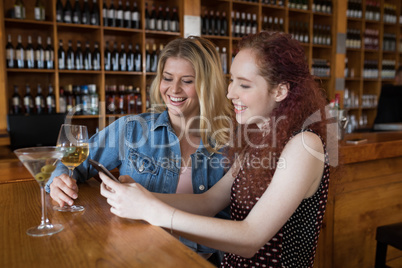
x: 63, y: 190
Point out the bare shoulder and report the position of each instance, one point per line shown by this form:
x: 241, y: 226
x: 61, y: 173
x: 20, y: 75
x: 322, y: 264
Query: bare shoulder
x: 307, y: 143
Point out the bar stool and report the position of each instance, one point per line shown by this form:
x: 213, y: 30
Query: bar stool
x: 387, y: 235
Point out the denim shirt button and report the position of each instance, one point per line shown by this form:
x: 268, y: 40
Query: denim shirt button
x: 201, y: 187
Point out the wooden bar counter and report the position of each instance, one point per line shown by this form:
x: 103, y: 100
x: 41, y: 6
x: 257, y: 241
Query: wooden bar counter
x: 93, y: 238
x: 365, y: 192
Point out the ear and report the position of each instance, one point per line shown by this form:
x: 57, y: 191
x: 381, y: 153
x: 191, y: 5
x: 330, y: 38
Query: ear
x: 282, y: 92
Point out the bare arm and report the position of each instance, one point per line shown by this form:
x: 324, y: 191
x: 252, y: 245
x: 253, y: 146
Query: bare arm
x: 299, y: 179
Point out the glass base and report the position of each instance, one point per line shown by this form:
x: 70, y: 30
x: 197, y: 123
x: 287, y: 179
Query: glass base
x: 43, y: 230
x: 72, y: 208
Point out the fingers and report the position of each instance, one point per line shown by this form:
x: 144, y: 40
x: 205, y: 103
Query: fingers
x: 108, y: 181
x: 126, y: 179
x: 63, y: 190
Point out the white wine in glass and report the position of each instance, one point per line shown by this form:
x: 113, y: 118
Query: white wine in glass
x: 41, y: 161
x: 73, y: 139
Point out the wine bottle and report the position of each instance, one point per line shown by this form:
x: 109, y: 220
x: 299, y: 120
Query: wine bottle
x: 131, y: 109
x: 20, y: 53
x: 62, y: 101
x: 147, y: 58
x: 87, y: 57
x: 211, y: 19
x: 85, y: 100
x: 111, y: 15
x: 137, y: 59
x: 93, y: 100
x: 28, y: 101
x: 70, y: 57
x: 86, y: 14
x: 138, y: 100
x: 130, y: 58
x: 61, y: 55
x: 115, y: 58
x: 69, y: 97
x: 154, y: 58
x: 152, y: 18
x: 120, y: 15
x: 29, y: 54
x: 174, y: 22
x: 10, y: 53
x: 39, y: 101
x: 147, y: 16
x: 77, y: 100
x: 105, y: 14
x: 59, y: 11
x: 79, y: 57
x: 96, y: 58
x: 51, y: 101
x: 205, y: 23
x: 121, y: 99
x: 127, y: 15
x: 39, y: 10
x: 77, y: 12
x: 224, y: 56
x: 68, y: 12
x: 19, y: 9
x: 166, y: 20
x: 108, y: 57
x: 159, y: 19
x: 49, y: 54
x: 39, y: 55
x: 95, y: 16
x: 123, y: 58
x: 135, y: 17
x: 16, y: 102
x: 224, y: 25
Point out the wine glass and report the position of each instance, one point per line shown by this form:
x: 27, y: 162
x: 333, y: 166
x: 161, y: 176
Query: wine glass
x: 41, y: 161
x: 74, y: 141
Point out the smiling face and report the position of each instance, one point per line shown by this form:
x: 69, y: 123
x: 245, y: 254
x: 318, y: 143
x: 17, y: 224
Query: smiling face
x: 177, y: 88
x: 249, y: 92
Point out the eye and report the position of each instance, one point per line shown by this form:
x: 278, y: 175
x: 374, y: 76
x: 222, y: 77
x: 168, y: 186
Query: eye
x: 187, y: 81
x: 167, y: 79
x: 245, y: 86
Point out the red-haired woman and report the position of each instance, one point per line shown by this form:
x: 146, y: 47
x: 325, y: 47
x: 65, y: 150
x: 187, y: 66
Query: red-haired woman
x: 277, y: 186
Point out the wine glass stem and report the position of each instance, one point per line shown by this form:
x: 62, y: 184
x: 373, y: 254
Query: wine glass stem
x: 44, y: 219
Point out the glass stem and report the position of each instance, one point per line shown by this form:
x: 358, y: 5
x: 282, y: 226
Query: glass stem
x: 44, y: 219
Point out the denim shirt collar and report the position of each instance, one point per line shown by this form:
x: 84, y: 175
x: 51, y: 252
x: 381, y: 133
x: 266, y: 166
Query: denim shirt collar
x: 162, y: 120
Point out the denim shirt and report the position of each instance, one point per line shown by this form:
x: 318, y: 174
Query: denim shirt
x: 146, y: 148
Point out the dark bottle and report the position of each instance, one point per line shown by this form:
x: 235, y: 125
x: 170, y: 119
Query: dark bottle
x: 218, y: 24
x: 29, y: 54
x: 96, y: 58
x: 147, y: 58
x: 111, y: 16
x: 28, y: 101
x: 95, y: 16
x: 61, y: 55
x: 87, y: 57
x: 174, y: 22
x: 130, y: 97
x: 108, y: 57
x: 39, y: 101
x: 68, y: 13
x: 127, y: 15
x: 85, y: 100
x: 205, y: 23
x: 119, y: 15
x: 121, y: 100
x: 130, y: 59
x: 115, y: 58
x: 86, y: 14
x: 16, y: 102
x: 135, y: 17
x: 51, y: 101
x: 105, y: 14
x: 39, y: 11
x: 20, y: 53
x: 62, y: 101
x: 166, y: 20
x: 70, y: 57
x: 77, y: 12
x: 152, y: 18
x: 59, y: 11
x: 49, y: 54
x: 39, y: 54
x: 123, y: 58
x: 79, y: 57
x: 78, y: 100
x: 137, y: 59
x: 138, y: 100
x: 224, y: 25
x: 154, y: 59
x: 10, y: 53
x: 111, y: 99
x: 69, y: 97
x: 147, y: 17
x: 159, y: 19
x: 211, y: 19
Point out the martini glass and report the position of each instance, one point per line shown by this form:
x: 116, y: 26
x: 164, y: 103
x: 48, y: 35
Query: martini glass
x: 41, y: 161
x: 73, y: 139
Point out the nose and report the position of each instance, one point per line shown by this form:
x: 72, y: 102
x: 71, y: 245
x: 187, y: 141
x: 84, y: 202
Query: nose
x: 176, y: 88
x: 231, y: 94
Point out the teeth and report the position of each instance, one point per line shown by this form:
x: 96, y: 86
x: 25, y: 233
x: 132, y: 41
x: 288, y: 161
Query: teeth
x: 176, y: 99
x: 240, y: 108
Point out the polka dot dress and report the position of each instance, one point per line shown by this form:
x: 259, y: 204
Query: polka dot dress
x: 295, y: 243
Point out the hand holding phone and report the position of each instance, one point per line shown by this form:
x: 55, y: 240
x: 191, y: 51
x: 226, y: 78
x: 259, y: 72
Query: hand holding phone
x: 101, y: 168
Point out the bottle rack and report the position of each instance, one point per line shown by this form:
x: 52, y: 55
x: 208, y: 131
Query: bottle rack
x: 372, y: 58
x: 80, y: 32
x: 299, y: 18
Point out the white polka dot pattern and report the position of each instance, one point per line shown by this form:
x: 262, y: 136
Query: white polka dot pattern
x: 295, y: 243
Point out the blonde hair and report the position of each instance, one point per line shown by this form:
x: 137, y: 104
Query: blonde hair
x: 210, y: 86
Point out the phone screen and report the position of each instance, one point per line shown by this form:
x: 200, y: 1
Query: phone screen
x: 100, y: 168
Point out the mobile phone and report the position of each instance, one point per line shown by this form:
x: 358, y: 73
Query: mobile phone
x: 356, y: 141
x: 101, y: 168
